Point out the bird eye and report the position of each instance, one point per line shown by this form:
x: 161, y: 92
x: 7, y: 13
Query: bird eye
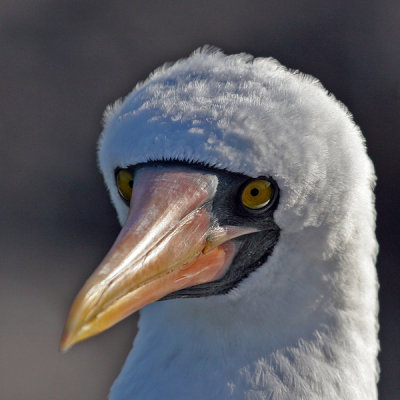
x: 257, y: 194
x: 124, y: 183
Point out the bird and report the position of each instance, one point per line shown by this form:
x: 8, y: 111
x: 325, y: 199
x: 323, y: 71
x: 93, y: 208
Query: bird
x: 245, y: 195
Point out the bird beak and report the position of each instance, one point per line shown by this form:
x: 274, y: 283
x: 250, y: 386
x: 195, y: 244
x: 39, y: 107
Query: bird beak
x: 169, y: 241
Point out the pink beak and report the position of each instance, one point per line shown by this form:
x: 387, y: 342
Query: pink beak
x: 170, y: 241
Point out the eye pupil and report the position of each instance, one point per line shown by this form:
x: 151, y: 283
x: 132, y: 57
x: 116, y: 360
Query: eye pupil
x: 130, y: 183
x: 254, y: 192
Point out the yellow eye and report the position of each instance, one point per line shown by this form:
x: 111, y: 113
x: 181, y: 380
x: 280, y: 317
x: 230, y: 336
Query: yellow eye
x: 125, y: 184
x: 257, y: 194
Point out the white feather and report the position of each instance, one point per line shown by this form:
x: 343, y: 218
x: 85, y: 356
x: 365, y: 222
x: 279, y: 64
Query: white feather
x: 304, y: 325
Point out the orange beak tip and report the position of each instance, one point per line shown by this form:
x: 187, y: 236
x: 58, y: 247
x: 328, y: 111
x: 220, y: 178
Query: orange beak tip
x: 67, y: 341
x: 64, y: 347
x: 63, y: 350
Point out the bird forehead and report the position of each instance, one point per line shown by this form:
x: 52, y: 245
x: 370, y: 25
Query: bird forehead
x: 237, y: 115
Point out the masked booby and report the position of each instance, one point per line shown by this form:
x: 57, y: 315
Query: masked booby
x: 245, y: 194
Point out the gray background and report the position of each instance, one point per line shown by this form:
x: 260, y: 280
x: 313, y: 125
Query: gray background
x: 62, y: 62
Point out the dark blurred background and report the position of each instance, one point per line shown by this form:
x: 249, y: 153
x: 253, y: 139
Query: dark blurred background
x: 62, y: 62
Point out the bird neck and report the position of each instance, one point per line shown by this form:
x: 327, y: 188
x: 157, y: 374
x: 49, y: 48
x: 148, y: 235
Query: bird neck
x: 294, y: 329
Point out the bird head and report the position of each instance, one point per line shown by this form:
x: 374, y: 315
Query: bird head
x: 209, y: 163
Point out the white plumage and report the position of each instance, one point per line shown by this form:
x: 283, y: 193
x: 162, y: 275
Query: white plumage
x: 304, y: 324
